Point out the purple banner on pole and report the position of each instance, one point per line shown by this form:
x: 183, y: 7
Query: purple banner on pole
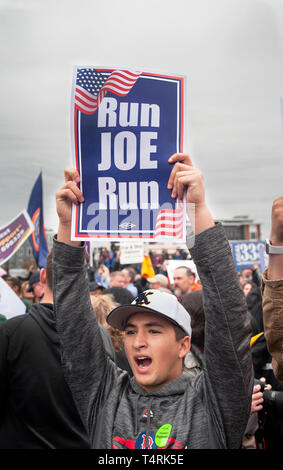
x: 14, y: 234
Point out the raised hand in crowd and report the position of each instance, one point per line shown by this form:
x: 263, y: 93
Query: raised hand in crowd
x: 66, y: 196
x: 272, y: 287
x: 184, y: 177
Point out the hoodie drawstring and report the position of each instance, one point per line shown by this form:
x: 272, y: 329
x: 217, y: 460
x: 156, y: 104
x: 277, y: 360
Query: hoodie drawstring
x: 136, y: 414
x: 148, y: 422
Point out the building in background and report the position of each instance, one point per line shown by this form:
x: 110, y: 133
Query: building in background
x: 238, y: 228
x: 241, y: 227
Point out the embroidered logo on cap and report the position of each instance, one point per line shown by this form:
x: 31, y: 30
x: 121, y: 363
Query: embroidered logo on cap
x: 142, y: 298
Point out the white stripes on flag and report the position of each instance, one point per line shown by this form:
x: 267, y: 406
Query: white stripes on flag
x: 169, y: 222
x: 119, y: 82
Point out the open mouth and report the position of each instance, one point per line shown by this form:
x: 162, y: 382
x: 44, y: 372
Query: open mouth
x: 143, y: 362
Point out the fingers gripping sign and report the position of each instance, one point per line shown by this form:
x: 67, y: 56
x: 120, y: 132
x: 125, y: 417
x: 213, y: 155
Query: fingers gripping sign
x: 66, y: 196
x: 184, y: 177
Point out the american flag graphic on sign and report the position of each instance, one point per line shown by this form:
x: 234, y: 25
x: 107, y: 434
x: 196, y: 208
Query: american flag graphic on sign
x: 169, y: 222
x: 92, y: 86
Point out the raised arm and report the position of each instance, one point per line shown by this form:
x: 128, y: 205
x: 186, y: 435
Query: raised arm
x: 228, y: 373
x: 84, y: 359
x: 272, y: 296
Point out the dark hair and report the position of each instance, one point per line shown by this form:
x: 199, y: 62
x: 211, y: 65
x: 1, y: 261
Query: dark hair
x: 15, y: 282
x: 131, y: 273
x: 193, y: 303
x: 49, y: 270
x: 189, y: 272
x: 179, y: 332
x: 121, y: 295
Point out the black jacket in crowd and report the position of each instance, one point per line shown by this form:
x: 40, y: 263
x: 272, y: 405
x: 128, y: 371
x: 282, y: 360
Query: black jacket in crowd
x: 37, y: 410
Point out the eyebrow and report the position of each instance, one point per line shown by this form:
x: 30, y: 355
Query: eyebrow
x: 150, y: 324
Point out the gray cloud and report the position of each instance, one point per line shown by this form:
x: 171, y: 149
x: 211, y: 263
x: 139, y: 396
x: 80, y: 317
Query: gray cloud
x: 230, y: 51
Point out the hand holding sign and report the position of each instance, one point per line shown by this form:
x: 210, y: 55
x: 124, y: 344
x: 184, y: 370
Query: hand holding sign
x: 185, y: 177
x: 66, y: 196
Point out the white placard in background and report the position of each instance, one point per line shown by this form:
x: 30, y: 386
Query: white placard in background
x: 173, y: 264
x: 131, y: 253
x: 10, y: 304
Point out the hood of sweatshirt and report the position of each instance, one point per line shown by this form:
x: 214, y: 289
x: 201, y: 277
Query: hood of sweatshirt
x: 176, y: 387
x: 44, y: 316
x: 160, y: 398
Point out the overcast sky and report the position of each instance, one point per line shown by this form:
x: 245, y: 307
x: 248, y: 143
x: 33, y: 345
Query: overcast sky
x: 230, y: 50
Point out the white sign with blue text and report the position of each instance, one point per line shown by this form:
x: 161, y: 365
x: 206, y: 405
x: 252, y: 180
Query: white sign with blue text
x: 125, y: 126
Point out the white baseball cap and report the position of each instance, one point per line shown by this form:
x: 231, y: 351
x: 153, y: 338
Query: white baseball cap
x: 156, y: 302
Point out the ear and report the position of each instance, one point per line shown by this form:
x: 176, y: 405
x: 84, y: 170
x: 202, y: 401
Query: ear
x: 43, y: 276
x: 185, y: 346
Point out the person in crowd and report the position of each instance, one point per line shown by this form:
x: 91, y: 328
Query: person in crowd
x: 102, y: 276
x: 121, y: 295
x: 193, y: 303
x: 194, y: 360
x: 156, y: 260
x: 2, y: 318
x: 159, y: 281
x: 210, y: 410
x: 117, y: 279
x: 272, y: 290
x: 254, y: 303
x: 184, y: 280
x: 269, y: 434
x: 141, y: 283
x: 163, y: 269
x: 110, y: 261
x: 251, y: 274
x: 16, y: 286
x: 130, y: 274
x: 37, y: 410
x: 36, y: 286
x: 95, y: 289
x: 248, y: 287
x: 102, y: 306
x: 25, y: 294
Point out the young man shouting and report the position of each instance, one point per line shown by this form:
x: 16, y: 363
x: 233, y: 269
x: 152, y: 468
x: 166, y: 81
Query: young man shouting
x: 159, y: 407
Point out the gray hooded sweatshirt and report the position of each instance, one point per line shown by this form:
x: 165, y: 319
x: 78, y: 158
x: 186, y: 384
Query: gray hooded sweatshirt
x: 207, y: 411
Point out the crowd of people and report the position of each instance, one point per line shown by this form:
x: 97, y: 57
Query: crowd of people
x: 105, y: 357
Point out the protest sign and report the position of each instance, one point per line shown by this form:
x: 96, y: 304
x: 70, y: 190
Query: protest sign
x: 125, y: 126
x: 246, y: 253
x: 173, y: 264
x: 14, y: 234
x: 131, y: 252
x: 10, y: 304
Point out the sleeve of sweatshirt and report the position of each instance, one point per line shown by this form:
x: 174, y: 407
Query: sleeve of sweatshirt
x: 228, y: 372
x: 90, y: 374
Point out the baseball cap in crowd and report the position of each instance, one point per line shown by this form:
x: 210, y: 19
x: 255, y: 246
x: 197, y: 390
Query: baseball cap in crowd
x: 34, y: 279
x: 160, y: 278
x: 155, y: 301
